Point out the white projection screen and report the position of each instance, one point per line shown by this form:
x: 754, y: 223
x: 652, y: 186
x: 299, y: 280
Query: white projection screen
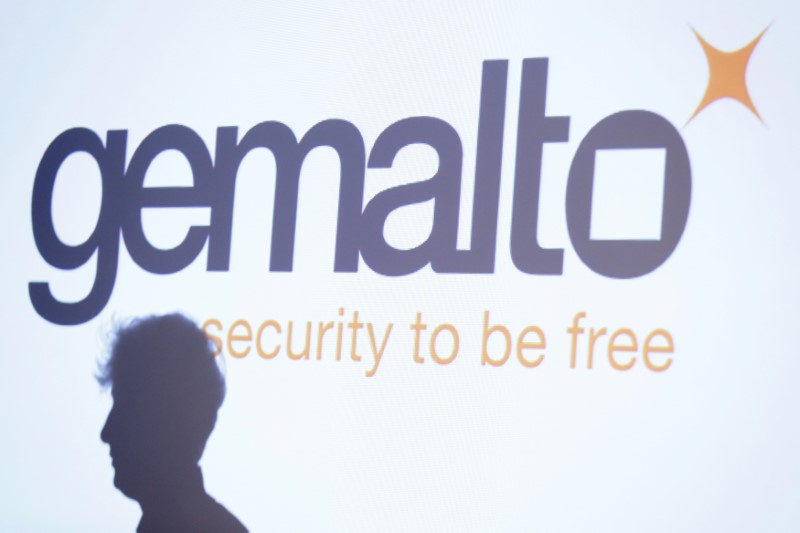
x: 471, y: 266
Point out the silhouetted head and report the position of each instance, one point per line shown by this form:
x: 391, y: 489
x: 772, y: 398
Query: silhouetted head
x: 167, y: 389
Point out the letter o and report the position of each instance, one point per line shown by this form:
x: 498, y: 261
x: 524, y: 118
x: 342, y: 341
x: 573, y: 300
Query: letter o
x: 625, y: 259
x: 453, y: 353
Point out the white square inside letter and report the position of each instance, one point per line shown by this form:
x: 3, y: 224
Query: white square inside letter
x: 628, y: 194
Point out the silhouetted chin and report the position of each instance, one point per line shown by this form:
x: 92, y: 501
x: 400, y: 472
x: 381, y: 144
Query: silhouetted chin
x: 129, y: 482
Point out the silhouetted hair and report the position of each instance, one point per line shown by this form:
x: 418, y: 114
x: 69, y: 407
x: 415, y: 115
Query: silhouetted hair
x: 168, y: 362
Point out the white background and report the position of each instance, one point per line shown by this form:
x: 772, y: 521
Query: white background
x: 709, y: 445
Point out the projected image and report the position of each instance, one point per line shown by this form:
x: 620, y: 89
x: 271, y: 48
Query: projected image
x: 453, y: 267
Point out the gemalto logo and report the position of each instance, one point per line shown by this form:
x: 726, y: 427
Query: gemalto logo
x: 359, y: 230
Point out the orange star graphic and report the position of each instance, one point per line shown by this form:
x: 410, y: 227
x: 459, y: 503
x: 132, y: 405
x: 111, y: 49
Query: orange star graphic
x: 726, y: 75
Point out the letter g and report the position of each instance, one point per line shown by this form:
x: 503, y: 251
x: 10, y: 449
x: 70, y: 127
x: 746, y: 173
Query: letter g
x: 104, y: 239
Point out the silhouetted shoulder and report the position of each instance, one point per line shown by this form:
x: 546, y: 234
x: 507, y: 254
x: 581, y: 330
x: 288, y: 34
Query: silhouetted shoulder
x: 220, y: 519
x: 205, y: 516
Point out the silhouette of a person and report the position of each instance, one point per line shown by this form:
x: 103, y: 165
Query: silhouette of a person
x: 166, y: 388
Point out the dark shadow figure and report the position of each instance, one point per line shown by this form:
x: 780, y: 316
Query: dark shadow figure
x: 166, y: 388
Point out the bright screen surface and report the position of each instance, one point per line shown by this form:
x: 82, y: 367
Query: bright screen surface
x: 525, y: 266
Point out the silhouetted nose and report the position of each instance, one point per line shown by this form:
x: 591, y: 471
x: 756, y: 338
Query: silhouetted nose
x: 106, y: 432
